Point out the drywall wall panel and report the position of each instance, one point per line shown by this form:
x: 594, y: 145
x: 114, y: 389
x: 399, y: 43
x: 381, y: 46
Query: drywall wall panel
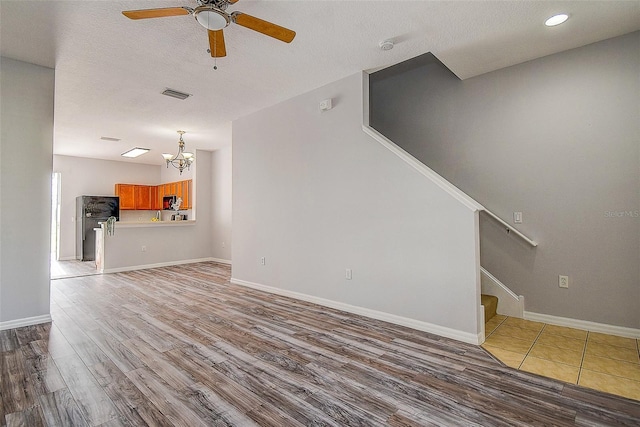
x: 557, y: 139
x: 221, y: 220
x: 314, y: 196
x: 26, y: 146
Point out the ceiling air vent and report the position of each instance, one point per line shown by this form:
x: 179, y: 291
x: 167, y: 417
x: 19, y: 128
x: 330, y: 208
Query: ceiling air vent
x: 175, y: 94
x: 108, y: 138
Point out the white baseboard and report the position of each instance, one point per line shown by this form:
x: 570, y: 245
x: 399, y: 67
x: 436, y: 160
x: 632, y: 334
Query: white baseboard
x: 156, y: 265
x: 621, y: 331
x: 221, y: 261
x: 27, y: 321
x: 67, y: 258
x: 374, y: 314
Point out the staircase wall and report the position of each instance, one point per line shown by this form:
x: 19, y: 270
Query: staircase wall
x: 314, y: 195
x: 555, y: 138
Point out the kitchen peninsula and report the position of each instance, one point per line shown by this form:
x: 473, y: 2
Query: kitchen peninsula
x: 146, y: 243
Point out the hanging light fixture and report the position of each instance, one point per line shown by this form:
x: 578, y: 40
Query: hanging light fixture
x: 183, y: 159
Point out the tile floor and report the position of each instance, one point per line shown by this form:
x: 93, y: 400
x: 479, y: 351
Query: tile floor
x: 603, y: 362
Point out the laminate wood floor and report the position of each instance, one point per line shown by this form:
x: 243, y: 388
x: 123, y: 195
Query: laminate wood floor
x: 180, y: 346
x: 72, y: 268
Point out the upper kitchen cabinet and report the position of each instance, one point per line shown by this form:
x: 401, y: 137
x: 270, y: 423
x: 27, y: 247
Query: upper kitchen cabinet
x: 133, y: 196
x: 149, y: 197
x: 143, y: 199
x: 127, y: 193
x: 187, y: 198
x: 182, y: 189
x: 156, y: 197
x: 170, y: 189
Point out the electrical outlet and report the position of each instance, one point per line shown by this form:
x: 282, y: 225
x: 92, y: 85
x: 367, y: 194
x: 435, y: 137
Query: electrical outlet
x: 347, y: 274
x: 563, y: 281
x: 224, y: 245
x: 263, y: 261
x: 144, y: 249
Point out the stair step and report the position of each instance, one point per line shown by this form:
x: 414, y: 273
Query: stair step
x: 490, y: 304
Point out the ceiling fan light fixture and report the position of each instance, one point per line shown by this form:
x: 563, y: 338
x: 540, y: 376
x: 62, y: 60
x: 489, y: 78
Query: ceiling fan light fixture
x: 211, y: 18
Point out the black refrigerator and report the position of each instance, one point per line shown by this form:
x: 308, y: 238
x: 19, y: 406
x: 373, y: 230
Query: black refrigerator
x: 91, y: 210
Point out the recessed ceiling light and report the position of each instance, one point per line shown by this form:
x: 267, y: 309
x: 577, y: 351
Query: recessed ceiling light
x: 556, y: 20
x: 135, y: 152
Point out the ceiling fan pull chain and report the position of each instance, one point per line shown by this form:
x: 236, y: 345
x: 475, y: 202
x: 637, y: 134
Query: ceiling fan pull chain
x: 215, y: 51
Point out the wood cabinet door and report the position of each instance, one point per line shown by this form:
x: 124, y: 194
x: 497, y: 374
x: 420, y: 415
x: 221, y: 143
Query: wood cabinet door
x: 160, y: 195
x: 186, y: 194
x: 143, y: 197
x: 170, y: 189
x: 126, y: 192
x: 179, y: 191
x: 155, y: 202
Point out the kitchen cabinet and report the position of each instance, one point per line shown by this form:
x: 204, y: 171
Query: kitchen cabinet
x: 159, y: 196
x: 135, y: 196
x: 170, y: 189
x: 127, y: 194
x: 149, y: 197
x: 186, y: 194
x: 143, y: 200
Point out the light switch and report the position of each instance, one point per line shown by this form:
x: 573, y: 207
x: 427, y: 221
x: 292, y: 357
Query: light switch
x: 517, y: 217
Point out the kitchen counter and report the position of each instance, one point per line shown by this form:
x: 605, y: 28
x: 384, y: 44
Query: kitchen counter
x: 137, y: 224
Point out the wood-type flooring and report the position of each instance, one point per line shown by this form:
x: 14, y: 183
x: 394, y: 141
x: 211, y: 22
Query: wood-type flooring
x: 180, y: 346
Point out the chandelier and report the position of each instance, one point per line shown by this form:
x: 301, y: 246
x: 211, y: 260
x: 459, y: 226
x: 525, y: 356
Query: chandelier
x: 183, y: 159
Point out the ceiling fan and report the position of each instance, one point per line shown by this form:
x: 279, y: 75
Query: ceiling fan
x: 212, y: 15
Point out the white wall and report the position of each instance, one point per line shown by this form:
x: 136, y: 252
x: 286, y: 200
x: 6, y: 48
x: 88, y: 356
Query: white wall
x: 93, y: 177
x: 221, y: 203
x: 26, y: 144
x: 314, y: 195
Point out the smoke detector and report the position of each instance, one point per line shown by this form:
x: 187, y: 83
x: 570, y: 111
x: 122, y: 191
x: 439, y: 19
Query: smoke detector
x: 386, y: 45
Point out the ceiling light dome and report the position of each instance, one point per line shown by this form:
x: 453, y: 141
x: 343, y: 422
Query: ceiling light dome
x: 211, y: 18
x: 556, y: 20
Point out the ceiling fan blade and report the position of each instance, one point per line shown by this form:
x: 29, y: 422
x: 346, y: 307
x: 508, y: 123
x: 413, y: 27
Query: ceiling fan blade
x: 264, y: 27
x: 156, y: 13
x: 233, y: 1
x: 216, y: 44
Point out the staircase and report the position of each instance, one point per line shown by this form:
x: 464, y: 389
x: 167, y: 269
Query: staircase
x: 490, y: 304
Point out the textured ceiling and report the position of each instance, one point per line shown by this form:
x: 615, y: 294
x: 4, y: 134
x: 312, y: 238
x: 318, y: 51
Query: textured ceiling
x: 110, y: 70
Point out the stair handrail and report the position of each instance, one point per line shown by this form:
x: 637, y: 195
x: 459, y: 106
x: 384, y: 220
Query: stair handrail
x: 509, y: 228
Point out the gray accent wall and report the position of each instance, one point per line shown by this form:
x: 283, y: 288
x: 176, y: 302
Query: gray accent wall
x: 557, y: 138
x: 26, y: 146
